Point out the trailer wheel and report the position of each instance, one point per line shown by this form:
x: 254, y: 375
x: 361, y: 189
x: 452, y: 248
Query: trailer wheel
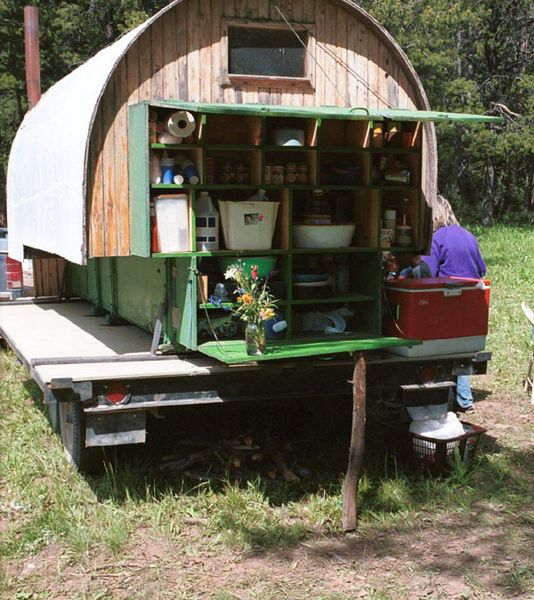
x: 72, y: 430
x: 53, y: 416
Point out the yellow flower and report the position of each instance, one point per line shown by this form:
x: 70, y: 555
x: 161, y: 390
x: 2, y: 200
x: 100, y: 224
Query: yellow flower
x: 266, y: 314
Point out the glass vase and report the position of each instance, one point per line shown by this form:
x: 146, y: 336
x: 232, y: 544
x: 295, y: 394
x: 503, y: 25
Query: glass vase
x: 255, y: 342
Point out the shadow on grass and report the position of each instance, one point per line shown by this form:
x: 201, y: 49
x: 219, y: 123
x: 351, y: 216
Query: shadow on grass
x: 473, y: 523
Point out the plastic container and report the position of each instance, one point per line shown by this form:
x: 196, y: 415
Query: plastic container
x: 3, y: 239
x: 207, y: 224
x: 323, y: 236
x: 167, y: 165
x: 190, y: 173
x: 172, y: 218
x: 433, y: 454
x: 437, y: 308
x: 14, y: 277
x: 265, y: 264
x: 289, y: 137
x: 248, y: 225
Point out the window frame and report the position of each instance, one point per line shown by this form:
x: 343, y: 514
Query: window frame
x: 228, y: 79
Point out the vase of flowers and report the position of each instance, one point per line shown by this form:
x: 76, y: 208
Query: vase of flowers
x: 255, y: 341
x: 254, y: 305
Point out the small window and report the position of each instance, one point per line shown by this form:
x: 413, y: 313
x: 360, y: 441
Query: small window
x: 266, y: 52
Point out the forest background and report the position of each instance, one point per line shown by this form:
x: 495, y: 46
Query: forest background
x: 472, y: 56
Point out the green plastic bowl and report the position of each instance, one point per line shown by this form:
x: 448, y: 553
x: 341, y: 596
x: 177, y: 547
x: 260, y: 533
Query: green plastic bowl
x: 265, y: 263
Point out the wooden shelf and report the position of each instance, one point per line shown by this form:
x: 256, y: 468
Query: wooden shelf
x: 335, y: 299
x: 329, y: 143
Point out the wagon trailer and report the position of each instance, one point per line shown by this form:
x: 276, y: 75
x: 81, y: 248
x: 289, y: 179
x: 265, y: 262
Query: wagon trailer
x: 314, y: 104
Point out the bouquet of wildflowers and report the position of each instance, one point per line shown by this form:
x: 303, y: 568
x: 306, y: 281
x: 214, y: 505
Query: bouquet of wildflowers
x: 255, y: 304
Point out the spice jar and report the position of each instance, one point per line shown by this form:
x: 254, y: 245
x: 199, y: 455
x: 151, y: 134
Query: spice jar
x: 241, y: 173
x: 277, y: 174
x: 267, y: 174
x: 290, y: 175
x: 302, y: 173
x: 228, y: 173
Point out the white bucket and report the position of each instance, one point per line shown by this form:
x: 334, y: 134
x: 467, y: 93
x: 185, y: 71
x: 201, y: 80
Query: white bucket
x: 248, y: 225
x: 172, y: 218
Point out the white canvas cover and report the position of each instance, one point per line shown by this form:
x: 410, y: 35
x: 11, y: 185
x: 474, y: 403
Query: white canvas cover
x: 46, y: 176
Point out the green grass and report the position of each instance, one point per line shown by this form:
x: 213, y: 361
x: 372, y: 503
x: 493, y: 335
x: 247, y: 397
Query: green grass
x: 508, y: 252
x: 45, y: 501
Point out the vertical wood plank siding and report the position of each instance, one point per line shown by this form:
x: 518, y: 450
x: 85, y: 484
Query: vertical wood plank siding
x: 180, y: 57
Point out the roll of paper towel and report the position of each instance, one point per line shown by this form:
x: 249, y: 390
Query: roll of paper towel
x: 181, y: 123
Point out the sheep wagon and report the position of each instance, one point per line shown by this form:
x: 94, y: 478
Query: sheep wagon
x: 311, y: 101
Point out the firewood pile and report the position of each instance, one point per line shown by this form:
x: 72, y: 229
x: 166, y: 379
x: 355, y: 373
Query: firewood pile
x: 242, y: 458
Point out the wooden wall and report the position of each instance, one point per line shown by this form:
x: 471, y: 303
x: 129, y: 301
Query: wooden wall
x: 180, y: 57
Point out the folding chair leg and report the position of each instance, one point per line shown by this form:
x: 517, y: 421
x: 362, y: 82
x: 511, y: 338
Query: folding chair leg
x: 528, y: 378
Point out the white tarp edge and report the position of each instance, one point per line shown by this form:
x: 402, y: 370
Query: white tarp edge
x: 46, y: 170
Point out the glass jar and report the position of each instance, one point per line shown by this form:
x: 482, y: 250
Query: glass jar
x: 255, y: 340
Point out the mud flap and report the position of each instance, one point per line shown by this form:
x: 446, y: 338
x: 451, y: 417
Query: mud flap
x: 115, y: 429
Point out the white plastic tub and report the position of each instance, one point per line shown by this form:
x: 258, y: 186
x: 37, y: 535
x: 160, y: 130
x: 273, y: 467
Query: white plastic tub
x: 172, y: 218
x: 248, y: 225
x: 323, y: 236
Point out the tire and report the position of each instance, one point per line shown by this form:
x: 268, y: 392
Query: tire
x: 72, y: 430
x: 53, y: 415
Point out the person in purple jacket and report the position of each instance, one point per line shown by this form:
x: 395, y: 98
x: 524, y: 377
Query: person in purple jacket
x: 454, y: 253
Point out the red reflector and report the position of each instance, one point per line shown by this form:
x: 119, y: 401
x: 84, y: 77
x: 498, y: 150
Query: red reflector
x: 117, y: 393
x: 430, y: 373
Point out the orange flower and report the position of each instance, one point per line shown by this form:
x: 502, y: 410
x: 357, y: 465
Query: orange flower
x: 246, y: 299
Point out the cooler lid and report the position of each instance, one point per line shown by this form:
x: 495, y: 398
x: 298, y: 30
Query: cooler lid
x: 432, y: 283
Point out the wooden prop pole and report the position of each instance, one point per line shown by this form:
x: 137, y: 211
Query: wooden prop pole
x: 357, y: 445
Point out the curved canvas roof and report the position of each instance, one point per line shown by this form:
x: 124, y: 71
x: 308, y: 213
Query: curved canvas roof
x: 46, y: 182
x: 47, y: 164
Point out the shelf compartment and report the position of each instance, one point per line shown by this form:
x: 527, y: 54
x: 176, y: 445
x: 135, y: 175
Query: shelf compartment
x: 272, y: 124
x: 230, y: 166
x: 232, y: 130
x: 385, y: 166
x: 343, y: 168
x: 334, y: 132
x: 277, y: 161
x: 336, y: 300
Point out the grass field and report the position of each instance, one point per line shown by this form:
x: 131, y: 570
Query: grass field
x: 134, y: 533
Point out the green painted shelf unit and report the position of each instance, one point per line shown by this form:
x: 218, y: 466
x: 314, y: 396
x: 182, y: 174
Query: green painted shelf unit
x: 226, y: 133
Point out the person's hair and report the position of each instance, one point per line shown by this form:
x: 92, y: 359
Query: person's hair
x: 442, y: 213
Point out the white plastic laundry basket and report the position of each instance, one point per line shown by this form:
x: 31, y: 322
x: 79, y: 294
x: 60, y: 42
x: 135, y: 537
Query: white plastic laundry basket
x: 248, y: 225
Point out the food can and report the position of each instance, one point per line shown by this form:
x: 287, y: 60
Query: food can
x: 387, y: 235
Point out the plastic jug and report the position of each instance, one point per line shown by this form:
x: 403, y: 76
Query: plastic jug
x: 207, y: 223
x: 259, y: 196
x: 167, y: 169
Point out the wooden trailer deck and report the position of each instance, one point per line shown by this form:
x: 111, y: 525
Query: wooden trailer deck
x: 64, y: 340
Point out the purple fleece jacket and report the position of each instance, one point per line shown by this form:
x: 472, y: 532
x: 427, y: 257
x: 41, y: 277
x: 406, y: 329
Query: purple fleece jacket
x: 455, y: 253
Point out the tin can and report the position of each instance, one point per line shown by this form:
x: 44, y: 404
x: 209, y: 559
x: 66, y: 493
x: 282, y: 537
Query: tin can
x: 277, y: 174
x: 290, y: 175
x: 241, y: 173
x: 387, y: 235
x: 228, y: 173
x: 210, y: 169
x: 302, y: 173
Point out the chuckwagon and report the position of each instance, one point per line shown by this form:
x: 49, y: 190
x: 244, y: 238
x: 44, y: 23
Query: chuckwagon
x: 313, y: 103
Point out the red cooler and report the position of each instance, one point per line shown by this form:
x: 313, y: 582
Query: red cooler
x: 438, y: 308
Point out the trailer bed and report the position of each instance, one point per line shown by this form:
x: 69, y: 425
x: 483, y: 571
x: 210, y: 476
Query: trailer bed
x: 64, y: 340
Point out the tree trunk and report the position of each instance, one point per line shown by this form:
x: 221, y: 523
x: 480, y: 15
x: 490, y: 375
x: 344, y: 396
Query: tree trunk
x: 488, y: 201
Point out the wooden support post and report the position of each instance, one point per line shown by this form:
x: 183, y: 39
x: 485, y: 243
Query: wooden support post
x: 357, y: 445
